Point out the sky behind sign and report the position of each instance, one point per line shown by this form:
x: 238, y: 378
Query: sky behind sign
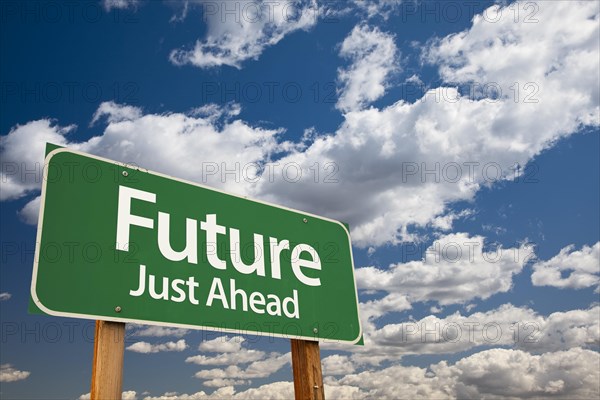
x: 459, y: 140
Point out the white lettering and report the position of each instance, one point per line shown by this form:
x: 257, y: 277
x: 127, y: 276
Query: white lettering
x: 275, y: 248
x: 298, y: 263
x: 258, y: 265
x: 217, y: 285
x: 212, y: 229
x: 124, y: 217
x: 191, y: 240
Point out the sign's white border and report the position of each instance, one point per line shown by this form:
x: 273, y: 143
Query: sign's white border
x: 139, y: 321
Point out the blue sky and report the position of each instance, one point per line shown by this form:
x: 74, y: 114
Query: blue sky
x: 444, y: 126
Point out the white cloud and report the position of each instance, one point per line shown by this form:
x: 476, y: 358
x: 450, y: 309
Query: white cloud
x: 382, y: 156
x: 374, y: 309
x: 445, y: 222
x: 257, y: 369
x: 215, y: 111
x: 508, y: 325
x: 232, y: 354
x: 119, y: 4
x: 456, y: 268
x: 9, y: 374
x: 126, y: 395
x: 372, y: 156
x: 242, y: 356
x: 543, y: 49
x: 224, y: 382
x: 270, y: 391
x: 116, y: 112
x: 377, y: 8
x: 337, y: 365
x: 470, y: 306
x: 145, y: 347
x: 563, y: 330
x: 373, y: 55
x: 4, y: 296
x: 222, y: 344
x: 435, y: 310
x: 234, y: 37
x: 276, y: 390
x: 493, y: 374
x: 387, y: 383
x: 505, y: 326
x: 225, y: 392
x: 156, y: 331
x: 129, y: 395
x: 501, y: 373
x: 22, y: 153
x: 30, y: 213
x: 178, y: 142
x: 582, y: 266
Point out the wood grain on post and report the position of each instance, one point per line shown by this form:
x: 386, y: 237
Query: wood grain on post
x: 107, y: 368
x: 306, y: 363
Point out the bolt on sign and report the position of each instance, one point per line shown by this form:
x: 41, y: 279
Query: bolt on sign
x: 119, y: 243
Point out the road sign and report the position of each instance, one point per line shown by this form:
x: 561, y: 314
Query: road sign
x: 119, y: 243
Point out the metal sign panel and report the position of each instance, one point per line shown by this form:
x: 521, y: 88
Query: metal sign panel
x: 124, y: 244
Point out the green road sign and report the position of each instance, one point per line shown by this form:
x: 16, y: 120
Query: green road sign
x: 123, y: 244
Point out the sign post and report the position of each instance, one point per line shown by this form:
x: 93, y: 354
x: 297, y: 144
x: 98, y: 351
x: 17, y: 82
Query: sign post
x: 306, y: 366
x: 107, y: 367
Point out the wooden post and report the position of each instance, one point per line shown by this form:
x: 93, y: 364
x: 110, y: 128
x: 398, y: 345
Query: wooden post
x: 107, y: 369
x: 306, y: 363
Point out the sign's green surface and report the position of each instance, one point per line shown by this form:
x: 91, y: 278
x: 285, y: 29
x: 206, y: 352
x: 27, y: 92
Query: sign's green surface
x: 121, y: 244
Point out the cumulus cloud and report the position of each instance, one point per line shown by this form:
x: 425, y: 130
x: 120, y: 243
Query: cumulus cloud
x: 275, y: 390
x: 156, y: 331
x: 22, y: 153
x: 114, y: 112
x: 494, y: 374
x: 234, y: 37
x: 10, y: 374
x: 224, y: 382
x: 377, y: 8
x: 371, y: 310
x: 5, y: 296
x: 223, y: 344
x: 145, y: 347
x: 126, y: 395
x: 497, y: 49
x: 242, y: 356
x: 573, y: 269
x: 272, y: 391
x: 507, y: 325
x: 119, y: 4
x: 30, y: 213
x: 337, y: 365
x: 401, y: 166
x: 373, y: 55
x: 231, y: 353
x: 257, y: 369
x: 129, y: 395
x: 415, y: 158
x: 456, y: 268
x: 499, y: 373
x: 178, y: 142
